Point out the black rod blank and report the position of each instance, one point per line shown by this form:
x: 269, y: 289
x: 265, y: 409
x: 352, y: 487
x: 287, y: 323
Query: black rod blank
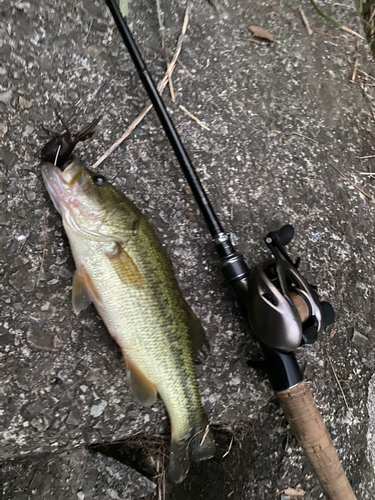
x: 212, y: 221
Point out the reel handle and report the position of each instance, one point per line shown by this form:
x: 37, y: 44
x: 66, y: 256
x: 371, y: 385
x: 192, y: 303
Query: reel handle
x: 307, y: 424
x: 282, y: 236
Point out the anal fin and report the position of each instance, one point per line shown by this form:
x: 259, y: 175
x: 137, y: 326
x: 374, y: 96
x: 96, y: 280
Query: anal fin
x: 143, y: 389
x: 199, y: 340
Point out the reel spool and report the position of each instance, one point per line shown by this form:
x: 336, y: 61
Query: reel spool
x: 284, y: 310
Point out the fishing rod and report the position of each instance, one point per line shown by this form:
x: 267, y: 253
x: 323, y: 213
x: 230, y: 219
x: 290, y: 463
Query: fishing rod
x: 283, y: 310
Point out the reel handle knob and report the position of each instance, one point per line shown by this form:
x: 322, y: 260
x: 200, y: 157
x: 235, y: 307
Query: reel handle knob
x: 282, y: 236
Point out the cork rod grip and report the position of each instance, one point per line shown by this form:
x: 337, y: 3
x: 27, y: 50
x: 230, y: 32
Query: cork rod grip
x: 307, y: 424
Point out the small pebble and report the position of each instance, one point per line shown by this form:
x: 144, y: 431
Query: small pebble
x: 358, y: 339
x: 74, y: 417
x: 28, y: 130
x: 5, y: 97
x: 97, y: 410
x: 30, y: 195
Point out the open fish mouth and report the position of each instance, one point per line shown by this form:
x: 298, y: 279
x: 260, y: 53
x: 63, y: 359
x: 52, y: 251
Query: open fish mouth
x: 68, y: 192
x: 61, y: 185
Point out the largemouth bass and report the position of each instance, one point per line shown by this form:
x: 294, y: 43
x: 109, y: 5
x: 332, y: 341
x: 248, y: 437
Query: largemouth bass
x: 122, y: 268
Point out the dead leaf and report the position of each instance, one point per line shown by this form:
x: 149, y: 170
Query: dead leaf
x: 262, y: 33
x: 332, y: 334
x: 294, y: 494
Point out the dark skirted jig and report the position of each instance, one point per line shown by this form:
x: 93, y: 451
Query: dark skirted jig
x: 60, y: 147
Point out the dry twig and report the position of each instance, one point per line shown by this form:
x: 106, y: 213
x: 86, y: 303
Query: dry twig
x: 194, y: 118
x: 160, y: 87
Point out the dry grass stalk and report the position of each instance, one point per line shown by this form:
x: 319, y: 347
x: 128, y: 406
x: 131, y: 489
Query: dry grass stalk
x: 206, y: 431
x: 351, y: 32
x: 44, y: 245
x: 161, y: 86
x: 171, y: 88
x: 353, y: 184
x: 194, y: 118
x: 355, y: 69
x: 88, y: 31
x: 305, y: 137
x: 229, y: 448
x: 305, y: 21
x: 277, y: 10
x: 181, y: 64
x: 339, y: 384
x: 366, y: 75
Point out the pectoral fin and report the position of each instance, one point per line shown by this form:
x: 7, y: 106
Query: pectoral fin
x: 80, y: 296
x: 199, y: 340
x: 144, y: 390
x: 125, y: 267
x: 84, y: 291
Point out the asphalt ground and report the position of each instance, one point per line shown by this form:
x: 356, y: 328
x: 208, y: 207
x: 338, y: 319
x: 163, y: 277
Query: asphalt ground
x: 283, y: 119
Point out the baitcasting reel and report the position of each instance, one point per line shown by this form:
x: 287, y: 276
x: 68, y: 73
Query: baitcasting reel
x: 284, y: 310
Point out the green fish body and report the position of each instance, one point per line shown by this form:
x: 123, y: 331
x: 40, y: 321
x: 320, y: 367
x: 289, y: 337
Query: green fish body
x: 122, y: 268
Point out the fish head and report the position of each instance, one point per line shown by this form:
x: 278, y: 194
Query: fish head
x: 87, y: 202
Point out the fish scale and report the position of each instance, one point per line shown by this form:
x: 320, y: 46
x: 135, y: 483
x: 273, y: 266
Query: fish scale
x: 123, y: 269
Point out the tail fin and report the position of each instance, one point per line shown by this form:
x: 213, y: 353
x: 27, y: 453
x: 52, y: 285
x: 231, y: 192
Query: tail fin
x: 200, y: 446
x: 179, y: 462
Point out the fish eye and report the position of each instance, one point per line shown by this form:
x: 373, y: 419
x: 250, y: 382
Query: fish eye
x: 99, y: 180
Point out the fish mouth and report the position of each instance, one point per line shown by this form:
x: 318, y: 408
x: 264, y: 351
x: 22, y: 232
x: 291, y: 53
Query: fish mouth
x: 61, y: 185
x: 67, y: 190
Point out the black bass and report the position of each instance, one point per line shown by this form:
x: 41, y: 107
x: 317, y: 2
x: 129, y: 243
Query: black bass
x: 122, y: 268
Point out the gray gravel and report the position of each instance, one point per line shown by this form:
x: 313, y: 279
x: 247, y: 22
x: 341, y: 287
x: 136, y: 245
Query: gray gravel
x: 281, y: 116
